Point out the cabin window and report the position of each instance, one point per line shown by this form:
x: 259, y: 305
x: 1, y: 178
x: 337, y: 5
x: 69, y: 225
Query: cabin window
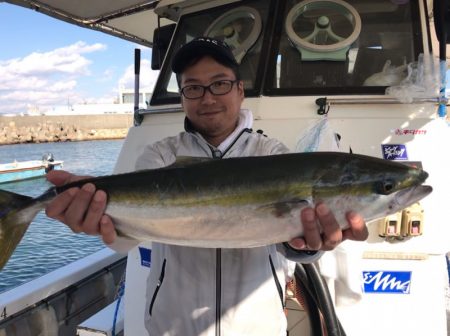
x: 343, y: 47
x: 308, y: 47
x: 241, y: 24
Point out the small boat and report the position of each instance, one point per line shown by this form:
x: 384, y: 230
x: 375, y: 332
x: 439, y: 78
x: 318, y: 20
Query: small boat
x: 17, y: 171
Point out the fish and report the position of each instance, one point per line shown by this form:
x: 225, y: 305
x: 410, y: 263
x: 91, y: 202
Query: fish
x: 233, y: 203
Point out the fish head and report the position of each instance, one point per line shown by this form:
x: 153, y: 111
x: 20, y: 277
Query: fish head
x: 397, y: 178
x: 376, y: 206
x: 367, y: 174
x: 405, y: 197
x: 373, y: 187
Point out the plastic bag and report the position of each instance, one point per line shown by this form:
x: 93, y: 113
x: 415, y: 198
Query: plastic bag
x: 422, y: 80
x: 318, y: 137
x: 390, y: 75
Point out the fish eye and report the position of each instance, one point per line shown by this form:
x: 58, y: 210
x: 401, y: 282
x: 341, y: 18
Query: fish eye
x: 385, y: 187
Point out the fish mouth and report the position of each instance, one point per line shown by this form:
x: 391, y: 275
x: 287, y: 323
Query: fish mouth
x: 409, y: 196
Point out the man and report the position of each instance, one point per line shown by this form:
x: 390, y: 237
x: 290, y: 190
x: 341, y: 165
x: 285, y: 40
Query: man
x: 195, y: 291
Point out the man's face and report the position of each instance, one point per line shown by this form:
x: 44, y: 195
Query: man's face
x: 214, y: 116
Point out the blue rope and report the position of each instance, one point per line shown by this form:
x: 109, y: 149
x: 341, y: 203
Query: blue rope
x: 120, y: 293
x: 442, y: 109
x: 448, y: 266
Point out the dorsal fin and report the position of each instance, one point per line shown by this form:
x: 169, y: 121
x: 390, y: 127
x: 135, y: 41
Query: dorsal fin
x: 183, y: 161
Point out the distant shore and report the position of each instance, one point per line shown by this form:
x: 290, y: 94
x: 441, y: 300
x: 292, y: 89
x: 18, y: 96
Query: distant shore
x: 37, y: 129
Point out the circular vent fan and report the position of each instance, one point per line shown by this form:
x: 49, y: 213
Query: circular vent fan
x: 239, y: 28
x: 323, y: 29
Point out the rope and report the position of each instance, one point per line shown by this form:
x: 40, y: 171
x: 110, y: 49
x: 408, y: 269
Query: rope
x: 118, y: 297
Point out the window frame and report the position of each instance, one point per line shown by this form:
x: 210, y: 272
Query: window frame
x: 271, y: 35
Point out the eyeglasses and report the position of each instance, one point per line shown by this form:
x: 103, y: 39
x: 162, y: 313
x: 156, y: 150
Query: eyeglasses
x: 217, y: 88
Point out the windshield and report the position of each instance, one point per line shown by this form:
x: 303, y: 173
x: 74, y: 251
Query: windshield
x: 309, y: 47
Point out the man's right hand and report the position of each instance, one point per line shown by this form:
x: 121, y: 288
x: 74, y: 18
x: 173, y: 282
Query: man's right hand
x: 82, y: 209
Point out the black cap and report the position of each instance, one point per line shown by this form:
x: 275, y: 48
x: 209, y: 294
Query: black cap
x: 202, y: 46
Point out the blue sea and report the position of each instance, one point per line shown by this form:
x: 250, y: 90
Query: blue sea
x: 49, y: 244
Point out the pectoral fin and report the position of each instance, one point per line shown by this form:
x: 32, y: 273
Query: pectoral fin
x: 283, y: 208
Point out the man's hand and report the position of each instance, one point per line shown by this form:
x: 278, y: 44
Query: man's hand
x: 82, y: 209
x: 331, y: 234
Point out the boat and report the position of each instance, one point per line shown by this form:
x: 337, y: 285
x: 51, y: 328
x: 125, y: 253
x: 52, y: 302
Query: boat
x: 352, y: 62
x: 24, y: 170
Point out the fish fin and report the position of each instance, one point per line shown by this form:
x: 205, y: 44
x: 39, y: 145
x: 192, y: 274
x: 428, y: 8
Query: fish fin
x: 16, y: 213
x: 183, y: 161
x: 282, y: 208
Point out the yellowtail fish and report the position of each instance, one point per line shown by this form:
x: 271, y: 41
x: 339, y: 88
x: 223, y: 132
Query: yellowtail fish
x: 233, y: 203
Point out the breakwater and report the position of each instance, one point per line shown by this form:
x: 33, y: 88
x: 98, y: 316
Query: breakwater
x: 37, y: 129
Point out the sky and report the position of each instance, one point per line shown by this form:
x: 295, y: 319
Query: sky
x: 46, y: 63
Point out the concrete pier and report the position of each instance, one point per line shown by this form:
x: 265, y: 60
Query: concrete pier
x: 36, y: 129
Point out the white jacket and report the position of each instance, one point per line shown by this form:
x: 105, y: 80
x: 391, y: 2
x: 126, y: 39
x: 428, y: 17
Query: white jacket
x: 222, y: 292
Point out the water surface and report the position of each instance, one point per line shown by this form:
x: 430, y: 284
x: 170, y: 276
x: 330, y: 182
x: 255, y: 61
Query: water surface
x: 49, y: 244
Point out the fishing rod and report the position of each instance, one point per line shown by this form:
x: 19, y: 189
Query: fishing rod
x: 137, y: 69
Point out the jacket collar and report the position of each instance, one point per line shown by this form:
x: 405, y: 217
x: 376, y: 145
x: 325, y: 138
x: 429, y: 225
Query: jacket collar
x: 245, y: 122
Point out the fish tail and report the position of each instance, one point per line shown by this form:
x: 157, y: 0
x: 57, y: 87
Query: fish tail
x: 16, y: 214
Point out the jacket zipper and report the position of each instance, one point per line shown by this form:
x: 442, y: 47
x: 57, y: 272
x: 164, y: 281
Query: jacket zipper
x: 248, y: 130
x: 158, y: 286
x: 218, y: 289
x: 277, y: 282
x: 217, y: 154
